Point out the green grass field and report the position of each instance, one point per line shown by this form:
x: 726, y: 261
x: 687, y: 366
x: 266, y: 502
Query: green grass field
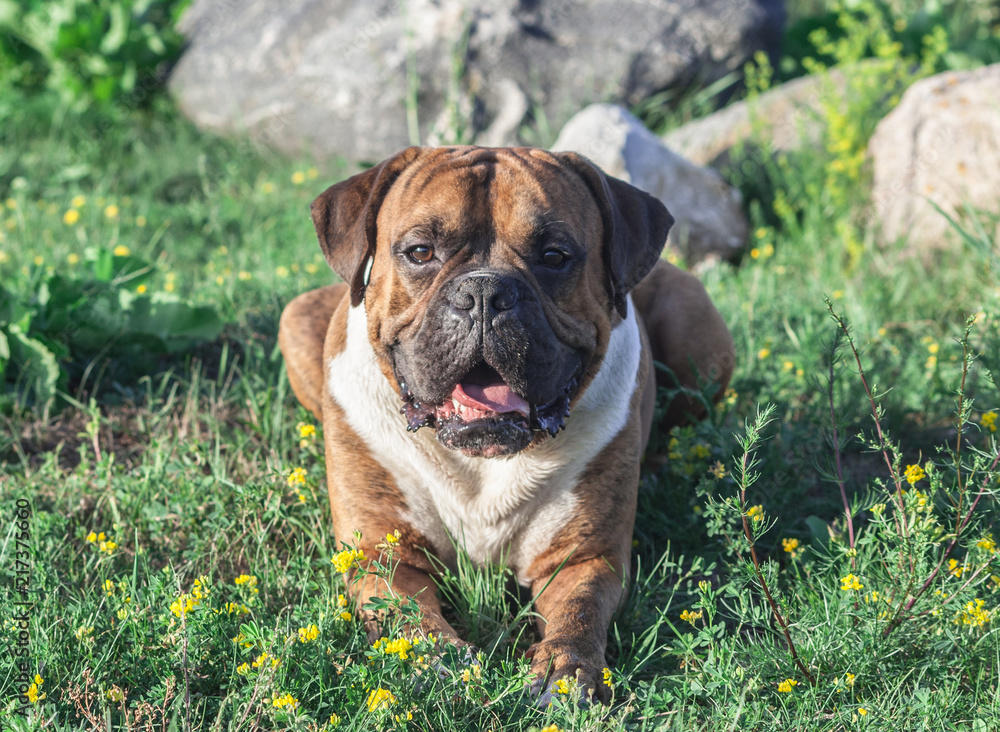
x: 167, y: 520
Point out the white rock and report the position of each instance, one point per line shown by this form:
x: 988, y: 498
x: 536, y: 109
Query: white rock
x: 941, y: 146
x: 710, y: 223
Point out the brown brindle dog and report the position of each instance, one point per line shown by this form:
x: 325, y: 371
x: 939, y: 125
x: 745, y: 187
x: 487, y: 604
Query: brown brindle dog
x: 484, y: 375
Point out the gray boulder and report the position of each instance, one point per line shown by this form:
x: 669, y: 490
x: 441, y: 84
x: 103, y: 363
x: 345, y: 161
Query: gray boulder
x: 710, y: 224
x: 940, y: 146
x: 331, y: 76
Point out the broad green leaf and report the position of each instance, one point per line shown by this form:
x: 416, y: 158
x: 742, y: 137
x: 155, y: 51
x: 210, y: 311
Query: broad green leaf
x: 34, y: 366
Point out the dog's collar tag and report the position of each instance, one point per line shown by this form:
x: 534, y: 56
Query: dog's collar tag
x: 368, y: 270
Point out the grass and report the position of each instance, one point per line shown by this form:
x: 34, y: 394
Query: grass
x: 190, y: 473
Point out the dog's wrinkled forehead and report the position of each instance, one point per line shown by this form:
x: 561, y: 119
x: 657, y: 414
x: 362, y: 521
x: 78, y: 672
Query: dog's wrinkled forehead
x: 488, y: 196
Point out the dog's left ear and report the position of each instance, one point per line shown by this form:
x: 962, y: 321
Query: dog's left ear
x: 345, y: 215
x: 635, y: 227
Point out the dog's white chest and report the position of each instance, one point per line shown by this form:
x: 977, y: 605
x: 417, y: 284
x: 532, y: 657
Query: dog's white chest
x: 500, y: 508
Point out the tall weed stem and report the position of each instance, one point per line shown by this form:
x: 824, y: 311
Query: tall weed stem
x: 746, y: 476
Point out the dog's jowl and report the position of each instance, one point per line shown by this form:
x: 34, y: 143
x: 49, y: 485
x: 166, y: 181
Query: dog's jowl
x: 485, y: 375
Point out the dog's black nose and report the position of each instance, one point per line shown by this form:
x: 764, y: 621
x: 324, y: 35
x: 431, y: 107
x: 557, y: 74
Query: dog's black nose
x: 484, y: 294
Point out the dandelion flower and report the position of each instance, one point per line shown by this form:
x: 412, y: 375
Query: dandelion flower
x: 298, y: 177
x: 71, y: 217
x: 121, y: 251
x: 763, y: 353
x: 111, y: 211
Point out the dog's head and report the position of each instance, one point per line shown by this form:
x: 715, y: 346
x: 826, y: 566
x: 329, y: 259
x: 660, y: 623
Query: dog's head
x: 491, y: 278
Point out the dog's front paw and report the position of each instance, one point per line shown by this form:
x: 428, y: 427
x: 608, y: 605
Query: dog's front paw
x: 559, y: 669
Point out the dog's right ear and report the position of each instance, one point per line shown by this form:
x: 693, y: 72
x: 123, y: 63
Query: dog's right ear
x: 345, y: 215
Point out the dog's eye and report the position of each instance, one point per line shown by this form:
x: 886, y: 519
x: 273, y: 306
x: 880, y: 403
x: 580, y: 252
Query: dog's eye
x: 553, y: 258
x: 420, y: 254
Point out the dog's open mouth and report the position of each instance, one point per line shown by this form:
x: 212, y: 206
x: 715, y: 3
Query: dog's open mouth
x: 484, y: 417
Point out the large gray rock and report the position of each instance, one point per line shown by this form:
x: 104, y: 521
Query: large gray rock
x: 940, y: 146
x: 331, y: 76
x: 710, y: 224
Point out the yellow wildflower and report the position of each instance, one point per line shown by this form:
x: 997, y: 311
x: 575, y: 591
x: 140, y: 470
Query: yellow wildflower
x: 955, y: 569
x: 109, y: 587
x: 850, y: 582
x: 78, y: 201
x: 562, y: 686
x: 71, y: 217
x: 607, y: 678
x: 399, y: 647
x: 342, y: 561
x: 763, y: 353
x: 756, y: 513
x: 691, y: 616
x: 306, y: 430
x: 111, y: 211
x: 83, y: 631
x: 107, y: 547
x: 308, y: 633
x: 297, y: 477
x: 380, y: 699
x: 718, y: 470
x: 849, y: 679
x: 334, y: 720
x: 286, y: 700
x: 787, y: 685
x: 473, y: 672
x: 551, y: 728
x: 790, y: 545
x: 243, y: 669
x: 914, y: 473
x: 989, y: 421
x: 862, y: 711
x: 987, y: 543
x: 345, y: 616
x: 121, y: 251
x: 281, y: 271
x: 298, y: 177
x: 249, y: 580
x: 974, y: 614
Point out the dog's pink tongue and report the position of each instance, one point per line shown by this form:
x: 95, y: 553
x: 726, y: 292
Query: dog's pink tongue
x: 496, y: 397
